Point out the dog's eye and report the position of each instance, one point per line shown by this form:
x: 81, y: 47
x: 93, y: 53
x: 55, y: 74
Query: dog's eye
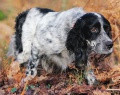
x: 94, y: 30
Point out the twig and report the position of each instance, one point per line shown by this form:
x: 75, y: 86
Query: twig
x: 116, y: 38
x: 113, y: 89
x: 24, y: 89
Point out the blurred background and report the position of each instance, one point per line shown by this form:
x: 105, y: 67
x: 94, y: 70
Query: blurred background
x: 9, y: 9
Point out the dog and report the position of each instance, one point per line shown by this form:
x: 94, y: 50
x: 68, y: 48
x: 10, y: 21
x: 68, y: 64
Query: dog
x: 56, y: 39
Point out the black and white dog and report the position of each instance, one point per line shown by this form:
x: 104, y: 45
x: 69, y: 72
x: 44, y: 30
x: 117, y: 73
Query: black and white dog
x: 56, y: 39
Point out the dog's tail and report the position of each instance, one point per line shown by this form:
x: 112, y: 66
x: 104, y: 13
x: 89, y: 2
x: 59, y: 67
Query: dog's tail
x: 11, y: 49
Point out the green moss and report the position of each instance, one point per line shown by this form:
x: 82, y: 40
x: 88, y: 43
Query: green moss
x: 2, y: 15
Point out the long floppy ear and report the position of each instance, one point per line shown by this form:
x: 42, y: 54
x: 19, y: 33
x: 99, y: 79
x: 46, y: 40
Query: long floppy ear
x: 76, y: 42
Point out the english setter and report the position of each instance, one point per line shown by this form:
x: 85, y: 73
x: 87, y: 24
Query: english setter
x: 56, y: 39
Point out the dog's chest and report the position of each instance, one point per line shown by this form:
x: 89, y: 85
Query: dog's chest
x: 64, y: 58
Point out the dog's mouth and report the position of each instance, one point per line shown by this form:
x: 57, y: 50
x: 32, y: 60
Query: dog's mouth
x: 100, y: 57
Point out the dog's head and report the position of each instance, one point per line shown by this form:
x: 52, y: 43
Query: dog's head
x: 96, y: 30
x: 92, y: 31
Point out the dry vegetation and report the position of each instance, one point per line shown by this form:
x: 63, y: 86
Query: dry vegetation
x: 107, y: 71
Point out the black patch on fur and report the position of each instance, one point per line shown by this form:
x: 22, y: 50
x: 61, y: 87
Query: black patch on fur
x: 107, y: 26
x: 59, y: 55
x: 32, y: 66
x: 76, y: 41
x: 56, y: 69
x: 18, y: 27
x: 89, y: 21
x: 49, y: 40
x: 32, y: 72
x: 44, y: 10
x: 27, y: 72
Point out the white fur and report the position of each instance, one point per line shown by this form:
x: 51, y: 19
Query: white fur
x: 28, y: 31
x: 34, y: 31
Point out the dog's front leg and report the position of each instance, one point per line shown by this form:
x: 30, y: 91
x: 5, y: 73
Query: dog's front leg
x: 31, y: 70
x: 90, y: 76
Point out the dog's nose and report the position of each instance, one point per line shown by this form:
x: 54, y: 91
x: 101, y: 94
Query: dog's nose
x: 109, y: 44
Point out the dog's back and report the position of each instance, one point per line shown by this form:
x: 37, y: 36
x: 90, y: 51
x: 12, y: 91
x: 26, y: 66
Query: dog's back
x: 25, y: 27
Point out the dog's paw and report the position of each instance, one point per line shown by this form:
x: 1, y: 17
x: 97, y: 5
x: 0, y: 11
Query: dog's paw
x: 30, y: 74
x: 91, y: 79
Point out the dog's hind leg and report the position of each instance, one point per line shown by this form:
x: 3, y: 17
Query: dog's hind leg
x: 33, y: 62
x: 28, y: 30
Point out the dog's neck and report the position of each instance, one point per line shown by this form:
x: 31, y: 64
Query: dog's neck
x: 73, y: 15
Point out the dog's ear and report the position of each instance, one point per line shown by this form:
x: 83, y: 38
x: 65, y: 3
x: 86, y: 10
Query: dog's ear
x: 76, y: 41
